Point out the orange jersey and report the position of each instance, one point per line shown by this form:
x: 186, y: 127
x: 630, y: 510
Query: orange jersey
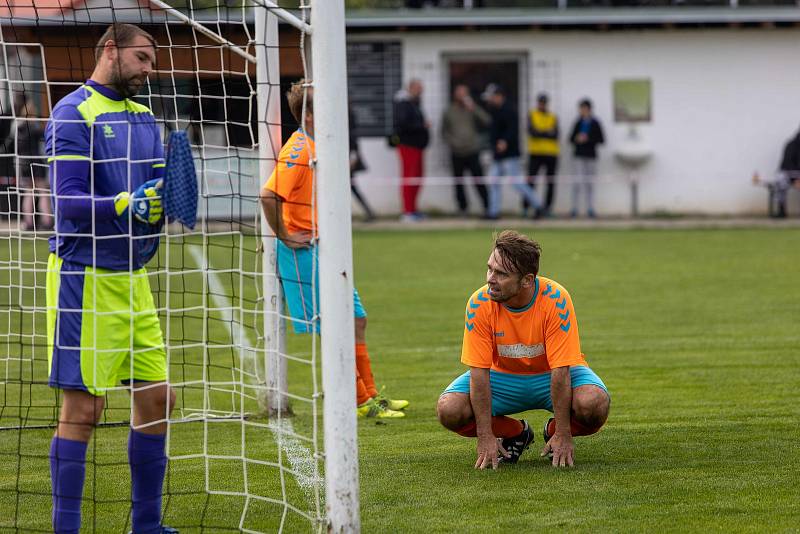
x: 293, y: 181
x: 526, y: 341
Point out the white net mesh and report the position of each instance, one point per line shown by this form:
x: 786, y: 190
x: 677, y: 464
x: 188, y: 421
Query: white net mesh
x: 233, y: 465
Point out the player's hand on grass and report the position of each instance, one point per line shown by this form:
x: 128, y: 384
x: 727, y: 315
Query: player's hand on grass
x: 300, y: 239
x: 562, y: 447
x: 145, y: 202
x: 488, y: 447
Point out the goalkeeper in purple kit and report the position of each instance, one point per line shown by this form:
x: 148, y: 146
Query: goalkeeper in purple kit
x: 106, y: 169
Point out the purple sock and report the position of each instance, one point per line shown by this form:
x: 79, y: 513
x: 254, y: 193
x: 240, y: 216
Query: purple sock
x: 67, y: 473
x: 148, y: 463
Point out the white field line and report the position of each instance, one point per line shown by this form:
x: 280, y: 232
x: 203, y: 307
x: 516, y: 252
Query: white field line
x: 300, y: 457
x: 303, y: 464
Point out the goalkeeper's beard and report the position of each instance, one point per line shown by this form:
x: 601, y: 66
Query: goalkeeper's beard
x: 125, y: 87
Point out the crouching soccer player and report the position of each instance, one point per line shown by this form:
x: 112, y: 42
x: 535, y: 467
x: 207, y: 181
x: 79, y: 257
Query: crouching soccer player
x: 287, y: 202
x: 521, y: 344
x: 106, y: 164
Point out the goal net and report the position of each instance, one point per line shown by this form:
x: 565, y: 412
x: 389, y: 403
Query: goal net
x: 246, y: 440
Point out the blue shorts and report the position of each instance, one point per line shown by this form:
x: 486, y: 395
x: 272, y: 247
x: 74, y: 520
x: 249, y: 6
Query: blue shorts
x: 518, y: 393
x: 296, y: 267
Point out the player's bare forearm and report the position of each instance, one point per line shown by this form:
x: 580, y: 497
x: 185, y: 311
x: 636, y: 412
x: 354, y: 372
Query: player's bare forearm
x: 480, y: 395
x: 561, y: 392
x: 271, y: 204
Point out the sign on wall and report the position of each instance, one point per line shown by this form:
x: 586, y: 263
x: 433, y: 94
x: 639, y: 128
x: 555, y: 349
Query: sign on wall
x: 632, y: 100
x: 374, y: 75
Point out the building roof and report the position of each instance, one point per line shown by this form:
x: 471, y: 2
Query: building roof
x: 96, y: 12
x: 531, y: 17
x: 53, y: 9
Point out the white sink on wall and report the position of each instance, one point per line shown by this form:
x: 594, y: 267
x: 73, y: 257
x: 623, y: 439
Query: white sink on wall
x: 632, y: 153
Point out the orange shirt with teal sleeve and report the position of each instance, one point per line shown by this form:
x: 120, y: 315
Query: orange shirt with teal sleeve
x: 531, y: 340
x: 293, y: 181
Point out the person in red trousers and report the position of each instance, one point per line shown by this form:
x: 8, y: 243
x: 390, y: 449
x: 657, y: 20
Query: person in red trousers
x: 411, y: 129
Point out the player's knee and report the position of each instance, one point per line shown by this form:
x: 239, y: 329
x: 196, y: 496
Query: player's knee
x: 164, y: 403
x: 155, y: 403
x: 172, y: 400
x: 80, y: 413
x: 452, y: 411
x: 590, y: 406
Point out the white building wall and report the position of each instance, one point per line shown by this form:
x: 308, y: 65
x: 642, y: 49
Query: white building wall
x: 724, y: 103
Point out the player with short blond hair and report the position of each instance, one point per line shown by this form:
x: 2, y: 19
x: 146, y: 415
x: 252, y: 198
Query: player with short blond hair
x: 287, y: 201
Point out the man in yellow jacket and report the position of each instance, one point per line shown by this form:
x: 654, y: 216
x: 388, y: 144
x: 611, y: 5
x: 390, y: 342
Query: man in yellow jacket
x: 542, y: 149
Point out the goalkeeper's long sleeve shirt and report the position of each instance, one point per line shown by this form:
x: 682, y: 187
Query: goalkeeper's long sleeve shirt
x: 98, y: 145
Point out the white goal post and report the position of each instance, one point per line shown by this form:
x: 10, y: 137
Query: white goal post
x: 336, y: 264
x: 218, y: 295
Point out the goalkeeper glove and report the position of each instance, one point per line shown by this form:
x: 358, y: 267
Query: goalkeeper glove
x: 145, y: 202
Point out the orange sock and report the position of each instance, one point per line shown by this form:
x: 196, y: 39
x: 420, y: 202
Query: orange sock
x: 506, y: 427
x: 365, y: 369
x: 575, y: 427
x: 362, y: 395
x: 502, y: 427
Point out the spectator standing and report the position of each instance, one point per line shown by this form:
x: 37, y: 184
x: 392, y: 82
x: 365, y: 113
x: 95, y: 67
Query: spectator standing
x: 31, y: 170
x: 7, y: 163
x: 357, y: 165
x: 461, y: 126
x: 411, y: 130
x: 586, y: 135
x: 543, y: 149
x: 504, y: 138
x: 788, y: 173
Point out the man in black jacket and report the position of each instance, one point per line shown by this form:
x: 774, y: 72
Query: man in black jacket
x: 7, y: 164
x: 789, y: 173
x: 504, y: 139
x: 586, y: 135
x: 411, y: 130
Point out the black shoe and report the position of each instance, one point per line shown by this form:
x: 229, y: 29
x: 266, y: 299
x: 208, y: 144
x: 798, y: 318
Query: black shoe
x: 546, y: 435
x: 516, y: 446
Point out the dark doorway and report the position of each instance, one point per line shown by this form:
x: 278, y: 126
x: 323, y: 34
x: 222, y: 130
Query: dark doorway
x: 478, y: 73
x: 506, y: 70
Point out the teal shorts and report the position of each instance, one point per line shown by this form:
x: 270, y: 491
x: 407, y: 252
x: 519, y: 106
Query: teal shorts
x: 102, y: 328
x: 518, y: 393
x: 298, y: 269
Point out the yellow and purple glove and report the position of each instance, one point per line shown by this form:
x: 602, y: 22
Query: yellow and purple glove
x: 145, y: 202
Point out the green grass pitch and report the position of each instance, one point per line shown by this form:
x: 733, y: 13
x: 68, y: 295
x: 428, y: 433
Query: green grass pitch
x: 695, y: 332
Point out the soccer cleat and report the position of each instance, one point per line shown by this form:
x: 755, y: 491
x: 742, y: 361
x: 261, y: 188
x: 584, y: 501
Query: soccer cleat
x: 516, y: 446
x: 165, y: 530
x: 546, y: 435
x: 392, y: 404
x: 373, y: 408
